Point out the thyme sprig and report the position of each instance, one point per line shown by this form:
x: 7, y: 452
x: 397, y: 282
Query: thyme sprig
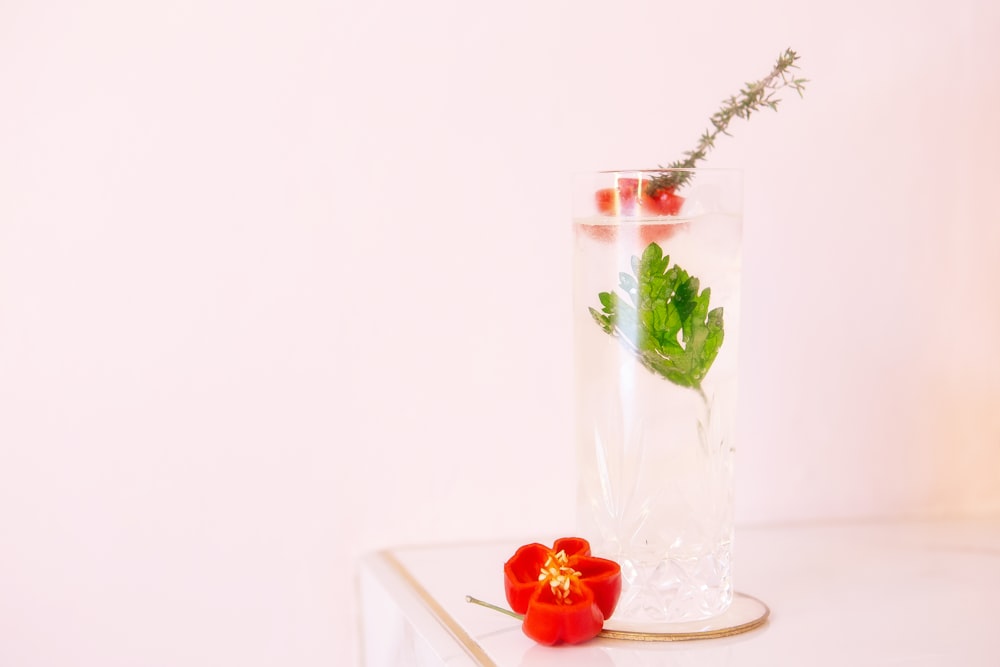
x: 753, y: 97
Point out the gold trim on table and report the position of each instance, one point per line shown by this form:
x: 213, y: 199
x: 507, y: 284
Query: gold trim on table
x: 758, y: 619
x: 470, y: 645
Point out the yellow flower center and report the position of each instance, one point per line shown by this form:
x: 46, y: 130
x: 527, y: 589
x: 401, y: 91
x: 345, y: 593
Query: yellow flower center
x: 559, y: 574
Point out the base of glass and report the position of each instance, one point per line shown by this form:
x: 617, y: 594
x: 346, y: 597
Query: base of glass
x: 744, y: 614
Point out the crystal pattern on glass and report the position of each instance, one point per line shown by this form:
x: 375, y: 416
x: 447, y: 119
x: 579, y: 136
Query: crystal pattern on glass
x: 655, y: 459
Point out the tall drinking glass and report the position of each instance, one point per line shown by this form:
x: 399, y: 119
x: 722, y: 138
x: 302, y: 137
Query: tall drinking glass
x: 656, y: 298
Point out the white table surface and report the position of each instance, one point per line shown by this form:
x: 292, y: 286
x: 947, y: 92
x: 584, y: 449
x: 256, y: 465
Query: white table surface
x: 914, y: 593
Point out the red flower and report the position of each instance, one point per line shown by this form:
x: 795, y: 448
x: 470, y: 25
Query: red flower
x: 564, y: 593
x: 622, y: 199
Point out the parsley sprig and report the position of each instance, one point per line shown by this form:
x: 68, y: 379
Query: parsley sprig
x: 666, y: 322
x: 664, y: 302
x: 755, y: 95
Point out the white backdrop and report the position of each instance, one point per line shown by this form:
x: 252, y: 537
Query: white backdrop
x: 285, y: 282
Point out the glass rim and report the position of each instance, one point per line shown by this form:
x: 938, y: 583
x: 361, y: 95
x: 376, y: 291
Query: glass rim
x: 662, y: 170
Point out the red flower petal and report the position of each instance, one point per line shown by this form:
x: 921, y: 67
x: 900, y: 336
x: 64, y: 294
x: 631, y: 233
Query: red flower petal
x: 604, y: 579
x: 520, y: 575
x: 619, y: 200
x: 573, y: 546
x: 662, y: 202
x: 550, y: 621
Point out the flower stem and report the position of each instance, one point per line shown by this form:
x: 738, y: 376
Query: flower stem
x: 469, y: 598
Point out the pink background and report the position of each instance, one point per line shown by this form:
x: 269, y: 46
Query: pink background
x: 285, y: 282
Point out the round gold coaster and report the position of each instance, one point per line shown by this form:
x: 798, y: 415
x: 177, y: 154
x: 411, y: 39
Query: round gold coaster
x: 744, y: 614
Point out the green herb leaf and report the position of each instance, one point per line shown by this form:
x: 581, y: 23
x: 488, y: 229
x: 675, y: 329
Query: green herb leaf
x: 666, y: 322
